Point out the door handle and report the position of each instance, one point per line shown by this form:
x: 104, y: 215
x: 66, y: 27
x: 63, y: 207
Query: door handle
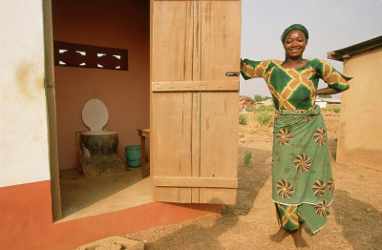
x: 232, y: 74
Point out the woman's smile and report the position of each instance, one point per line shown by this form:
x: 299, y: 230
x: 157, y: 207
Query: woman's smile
x: 295, y: 50
x: 295, y: 44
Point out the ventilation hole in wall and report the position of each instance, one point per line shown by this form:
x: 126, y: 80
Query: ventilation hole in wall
x: 82, y: 53
x: 89, y: 56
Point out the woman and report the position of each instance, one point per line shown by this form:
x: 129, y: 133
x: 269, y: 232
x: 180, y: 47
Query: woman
x: 301, y: 173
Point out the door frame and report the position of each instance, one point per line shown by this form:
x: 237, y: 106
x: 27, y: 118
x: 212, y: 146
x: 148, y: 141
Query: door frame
x: 49, y: 85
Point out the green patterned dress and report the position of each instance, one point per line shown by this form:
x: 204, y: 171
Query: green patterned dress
x: 302, y: 182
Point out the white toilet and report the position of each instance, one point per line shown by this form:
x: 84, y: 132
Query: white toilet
x: 95, y: 117
x: 98, y: 147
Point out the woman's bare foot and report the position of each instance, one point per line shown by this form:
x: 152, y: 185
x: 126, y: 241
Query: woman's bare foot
x: 280, y: 235
x: 299, y: 241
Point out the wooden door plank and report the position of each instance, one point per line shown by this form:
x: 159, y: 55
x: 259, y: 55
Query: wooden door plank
x: 195, y: 150
x: 195, y: 191
x: 218, y: 196
x: 172, y: 40
x: 172, y: 140
x: 183, y: 86
x: 219, y: 31
x: 171, y: 60
x: 219, y: 140
x: 195, y: 181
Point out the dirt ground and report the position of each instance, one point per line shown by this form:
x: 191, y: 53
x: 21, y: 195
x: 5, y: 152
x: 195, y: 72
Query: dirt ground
x: 355, y: 221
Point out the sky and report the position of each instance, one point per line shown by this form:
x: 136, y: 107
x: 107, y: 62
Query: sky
x: 332, y: 25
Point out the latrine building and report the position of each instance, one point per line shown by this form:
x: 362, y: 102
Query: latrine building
x: 359, y: 131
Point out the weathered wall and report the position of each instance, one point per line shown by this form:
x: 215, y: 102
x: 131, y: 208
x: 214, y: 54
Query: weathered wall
x: 360, y: 131
x: 118, y: 24
x: 23, y: 122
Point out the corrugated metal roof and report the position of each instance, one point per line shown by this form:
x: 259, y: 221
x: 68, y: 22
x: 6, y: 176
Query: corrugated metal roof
x: 358, y: 48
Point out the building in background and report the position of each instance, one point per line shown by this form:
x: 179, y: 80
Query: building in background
x: 359, y: 132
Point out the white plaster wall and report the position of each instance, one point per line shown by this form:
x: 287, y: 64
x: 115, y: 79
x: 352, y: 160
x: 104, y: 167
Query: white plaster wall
x: 23, y: 118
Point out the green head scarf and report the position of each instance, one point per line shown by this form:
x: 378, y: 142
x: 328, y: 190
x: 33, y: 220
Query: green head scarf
x: 299, y: 27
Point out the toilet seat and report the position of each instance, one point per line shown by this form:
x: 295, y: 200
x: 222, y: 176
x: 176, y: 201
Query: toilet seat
x: 95, y: 116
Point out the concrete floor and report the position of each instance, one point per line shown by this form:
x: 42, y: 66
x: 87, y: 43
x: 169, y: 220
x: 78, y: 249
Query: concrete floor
x: 89, y: 196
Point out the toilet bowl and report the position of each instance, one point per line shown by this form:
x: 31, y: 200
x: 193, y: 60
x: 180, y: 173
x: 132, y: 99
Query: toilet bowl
x: 95, y: 117
x: 98, y: 147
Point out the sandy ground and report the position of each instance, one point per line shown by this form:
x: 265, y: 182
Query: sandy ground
x: 355, y: 221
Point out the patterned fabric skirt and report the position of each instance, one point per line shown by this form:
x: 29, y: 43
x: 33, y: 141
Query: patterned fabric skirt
x: 302, y: 182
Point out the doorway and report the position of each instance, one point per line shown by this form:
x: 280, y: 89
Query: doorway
x: 101, y: 27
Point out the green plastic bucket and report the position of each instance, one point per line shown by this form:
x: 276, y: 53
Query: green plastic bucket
x: 133, y: 155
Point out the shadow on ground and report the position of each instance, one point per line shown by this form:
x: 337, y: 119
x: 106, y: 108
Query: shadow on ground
x: 361, y: 222
x: 251, y: 179
x: 332, y: 146
x: 203, y: 237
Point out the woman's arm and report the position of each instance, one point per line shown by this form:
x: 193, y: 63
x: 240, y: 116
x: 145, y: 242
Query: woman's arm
x: 251, y: 69
x: 337, y: 82
x: 327, y: 91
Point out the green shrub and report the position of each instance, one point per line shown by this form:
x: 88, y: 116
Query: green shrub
x: 332, y: 108
x: 261, y: 108
x: 336, y: 109
x: 258, y: 98
x: 249, y: 109
x: 248, y: 159
x: 264, y: 118
x: 243, y: 119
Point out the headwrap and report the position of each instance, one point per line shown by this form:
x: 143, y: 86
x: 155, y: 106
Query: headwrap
x: 299, y: 27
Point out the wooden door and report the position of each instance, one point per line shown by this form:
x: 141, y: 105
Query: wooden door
x: 194, y: 102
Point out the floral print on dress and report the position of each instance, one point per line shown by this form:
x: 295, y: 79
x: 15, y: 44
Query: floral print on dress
x: 319, y: 136
x: 322, y: 209
x: 302, y: 163
x: 284, y: 136
x: 284, y: 189
x: 319, y: 188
